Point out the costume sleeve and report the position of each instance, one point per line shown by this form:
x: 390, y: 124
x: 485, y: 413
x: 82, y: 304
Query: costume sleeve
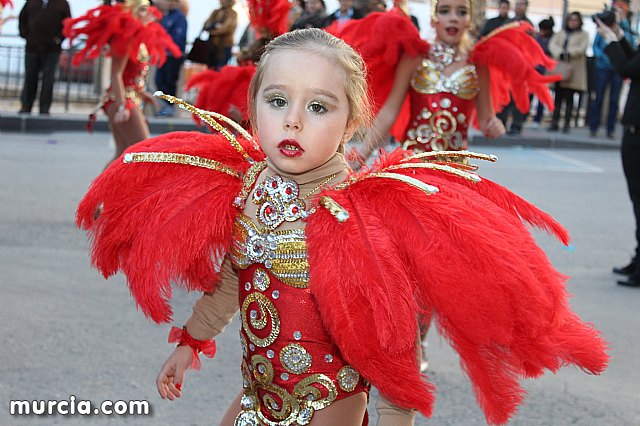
x: 627, y: 67
x: 214, y: 311
x: 512, y: 54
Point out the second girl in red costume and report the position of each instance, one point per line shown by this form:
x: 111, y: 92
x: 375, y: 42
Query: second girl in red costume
x: 135, y: 41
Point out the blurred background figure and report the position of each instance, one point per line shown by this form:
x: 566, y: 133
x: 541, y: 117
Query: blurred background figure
x: 498, y: 21
x: 221, y: 26
x: 313, y: 16
x: 175, y: 24
x: 543, y: 36
x: 569, y: 45
x: 346, y: 12
x: 40, y: 23
x: 606, y: 76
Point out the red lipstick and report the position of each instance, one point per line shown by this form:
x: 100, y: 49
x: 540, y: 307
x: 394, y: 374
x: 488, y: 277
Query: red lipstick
x: 290, y: 148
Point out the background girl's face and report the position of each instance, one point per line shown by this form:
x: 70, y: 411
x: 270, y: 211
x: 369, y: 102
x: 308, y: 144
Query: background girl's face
x: 573, y: 22
x: 302, y: 110
x: 452, y: 20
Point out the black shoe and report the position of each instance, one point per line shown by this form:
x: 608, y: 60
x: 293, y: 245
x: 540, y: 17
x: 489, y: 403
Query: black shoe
x: 565, y: 129
x: 24, y: 111
x: 630, y: 282
x: 610, y: 135
x: 629, y: 269
x: 514, y: 132
x: 553, y: 128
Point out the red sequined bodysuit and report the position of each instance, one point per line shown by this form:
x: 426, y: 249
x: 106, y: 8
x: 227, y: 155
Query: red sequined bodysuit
x: 291, y: 367
x: 135, y: 80
x: 441, y: 108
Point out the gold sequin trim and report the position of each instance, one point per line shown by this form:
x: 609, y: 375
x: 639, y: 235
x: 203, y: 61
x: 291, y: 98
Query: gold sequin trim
x: 305, y: 391
x: 340, y: 213
x: 261, y: 280
x: 207, y: 117
x: 261, y: 319
x: 191, y: 160
x: 248, y: 181
x: 429, y: 80
x: 426, y: 188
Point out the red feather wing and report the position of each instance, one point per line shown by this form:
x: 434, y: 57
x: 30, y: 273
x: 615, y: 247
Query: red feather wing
x: 164, y: 222
x: 511, y: 54
x: 462, y: 253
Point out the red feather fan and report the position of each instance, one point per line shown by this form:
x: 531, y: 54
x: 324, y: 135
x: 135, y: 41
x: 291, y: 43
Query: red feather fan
x: 464, y: 254
x: 117, y: 27
x: 221, y: 91
x: 511, y: 54
x: 271, y: 15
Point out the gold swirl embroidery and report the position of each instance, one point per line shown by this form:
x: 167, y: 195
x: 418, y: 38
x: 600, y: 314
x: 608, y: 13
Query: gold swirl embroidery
x: 261, y: 319
x: 305, y: 391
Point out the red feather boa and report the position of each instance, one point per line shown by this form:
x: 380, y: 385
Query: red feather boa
x: 271, y: 15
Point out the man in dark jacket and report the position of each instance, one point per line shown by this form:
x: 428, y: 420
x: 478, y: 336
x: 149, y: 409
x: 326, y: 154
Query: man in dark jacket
x: 40, y: 23
x: 626, y: 60
x: 498, y: 21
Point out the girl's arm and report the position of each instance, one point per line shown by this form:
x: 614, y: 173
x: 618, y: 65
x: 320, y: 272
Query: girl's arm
x: 211, y: 314
x: 490, y: 125
x: 118, y: 64
x: 387, y: 115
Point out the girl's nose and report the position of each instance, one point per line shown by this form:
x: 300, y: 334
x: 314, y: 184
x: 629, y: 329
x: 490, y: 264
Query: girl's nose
x: 292, y: 121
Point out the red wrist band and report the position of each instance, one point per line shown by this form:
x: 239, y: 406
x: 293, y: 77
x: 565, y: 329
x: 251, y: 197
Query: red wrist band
x: 183, y: 338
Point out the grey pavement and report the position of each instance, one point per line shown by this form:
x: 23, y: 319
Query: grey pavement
x: 68, y: 331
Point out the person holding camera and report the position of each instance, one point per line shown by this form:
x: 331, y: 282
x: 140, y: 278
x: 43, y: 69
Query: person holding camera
x: 605, y: 74
x: 626, y: 60
x: 221, y: 27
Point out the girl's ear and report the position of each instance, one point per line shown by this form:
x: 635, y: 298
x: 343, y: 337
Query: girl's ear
x: 349, y: 131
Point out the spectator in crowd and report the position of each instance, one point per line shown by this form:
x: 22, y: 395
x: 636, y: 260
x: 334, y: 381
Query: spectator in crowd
x: 175, y: 23
x: 344, y: 14
x: 314, y: 15
x: 569, y: 45
x: 40, y: 23
x: 520, y: 10
x: 377, y: 6
x: 607, y: 76
x: 297, y: 9
x: 498, y: 21
x: 626, y: 61
x: 545, y: 31
x: 221, y: 26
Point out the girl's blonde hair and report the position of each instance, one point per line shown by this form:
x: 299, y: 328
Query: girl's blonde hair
x: 331, y: 48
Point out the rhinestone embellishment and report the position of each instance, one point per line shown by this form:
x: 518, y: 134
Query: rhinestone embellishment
x: 348, y: 378
x: 295, y: 359
x: 278, y: 201
x: 261, y: 280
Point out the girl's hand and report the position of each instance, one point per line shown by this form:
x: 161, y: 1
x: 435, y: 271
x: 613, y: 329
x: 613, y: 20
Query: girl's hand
x: 122, y: 115
x: 492, y: 128
x: 171, y: 375
x: 148, y: 98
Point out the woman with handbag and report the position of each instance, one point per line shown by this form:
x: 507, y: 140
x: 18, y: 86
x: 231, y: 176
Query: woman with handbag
x: 569, y: 47
x: 221, y: 26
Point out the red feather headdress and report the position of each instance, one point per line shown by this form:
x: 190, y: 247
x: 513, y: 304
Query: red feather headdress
x: 124, y: 33
x: 271, y: 15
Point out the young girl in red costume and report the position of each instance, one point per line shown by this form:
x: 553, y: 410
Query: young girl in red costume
x: 135, y: 41
x: 450, y: 83
x: 327, y: 267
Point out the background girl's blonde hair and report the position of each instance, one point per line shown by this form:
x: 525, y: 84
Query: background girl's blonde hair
x: 347, y: 62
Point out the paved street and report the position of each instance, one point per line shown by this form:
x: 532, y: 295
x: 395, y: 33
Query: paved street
x: 67, y: 331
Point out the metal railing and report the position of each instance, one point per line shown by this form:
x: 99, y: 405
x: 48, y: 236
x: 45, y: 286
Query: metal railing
x: 74, y: 84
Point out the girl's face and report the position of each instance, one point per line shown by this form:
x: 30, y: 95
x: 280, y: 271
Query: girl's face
x: 143, y: 14
x: 302, y: 110
x: 452, y: 20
